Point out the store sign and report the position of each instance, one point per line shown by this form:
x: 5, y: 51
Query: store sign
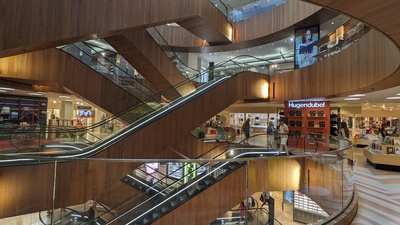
x: 299, y: 105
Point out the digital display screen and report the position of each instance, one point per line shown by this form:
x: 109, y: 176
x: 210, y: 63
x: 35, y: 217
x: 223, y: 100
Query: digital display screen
x: 305, y: 50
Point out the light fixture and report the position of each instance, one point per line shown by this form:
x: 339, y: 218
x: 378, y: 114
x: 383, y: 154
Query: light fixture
x: 3, y: 91
x: 351, y: 99
x: 8, y: 89
x: 32, y: 93
x: 62, y: 96
x: 394, y: 97
x: 357, y: 95
x: 265, y: 90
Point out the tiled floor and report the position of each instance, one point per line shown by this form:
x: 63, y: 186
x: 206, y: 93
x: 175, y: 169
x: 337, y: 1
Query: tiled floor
x: 379, y: 194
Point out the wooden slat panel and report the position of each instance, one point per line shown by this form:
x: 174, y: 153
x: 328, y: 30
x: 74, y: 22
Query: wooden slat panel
x: 29, y: 25
x: 368, y: 65
x: 275, y: 20
x: 55, y: 66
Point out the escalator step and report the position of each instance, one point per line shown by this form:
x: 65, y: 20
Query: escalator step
x: 146, y: 220
x: 164, y: 209
x: 191, y: 192
x: 207, y: 182
x: 232, y: 166
x: 156, y: 214
x: 183, y: 197
x: 174, y: 203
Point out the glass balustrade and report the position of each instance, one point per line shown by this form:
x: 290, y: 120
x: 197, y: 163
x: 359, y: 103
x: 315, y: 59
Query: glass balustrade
x: 313, y: 185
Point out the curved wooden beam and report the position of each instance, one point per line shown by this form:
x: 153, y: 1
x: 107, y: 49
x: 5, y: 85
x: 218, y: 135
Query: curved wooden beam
x: 31, y: 25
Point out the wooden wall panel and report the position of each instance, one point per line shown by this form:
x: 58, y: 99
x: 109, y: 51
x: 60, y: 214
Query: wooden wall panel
x: 144, y: 54
x: 30, y: 25
x: 275, y: 20
x: 368, y: 65
x: 55, y: 66
x: 267, y: 175
x: 18, y: 196
x: 192, y: 147
x: 176, y: 36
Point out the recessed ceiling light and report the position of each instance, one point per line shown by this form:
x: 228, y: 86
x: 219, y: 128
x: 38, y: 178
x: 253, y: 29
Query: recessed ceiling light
x: 351, y: 99
x: 64, y: 96
x: 357, y: 95
x: 395, y: 97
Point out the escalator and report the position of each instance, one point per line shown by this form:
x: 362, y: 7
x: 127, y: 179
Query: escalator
x: 136, y: 119
x: 163, y: 197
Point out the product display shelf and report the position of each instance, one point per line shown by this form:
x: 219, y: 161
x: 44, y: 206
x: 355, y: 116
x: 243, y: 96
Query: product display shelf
x: 316, y: 116
x: 385, y: 156
x: 316, y: 127
x: 378, y: 159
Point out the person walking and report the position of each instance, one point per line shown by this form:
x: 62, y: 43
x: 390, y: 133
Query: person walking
x: 283, y: 132
x: 271, y: 134
x: 246, y: 130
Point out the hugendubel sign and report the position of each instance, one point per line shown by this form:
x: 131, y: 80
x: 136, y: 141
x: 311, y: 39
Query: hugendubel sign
x: 300, y: 105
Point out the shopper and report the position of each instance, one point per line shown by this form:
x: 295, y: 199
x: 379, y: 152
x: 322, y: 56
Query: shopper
x: 246, y: 130
x: 242, y: 208
x: 271, y: 134
x: 92, y: 213
x: 344, y: 134
x: 383, y: 130
x: 264, y: 198
x: 283, y: 132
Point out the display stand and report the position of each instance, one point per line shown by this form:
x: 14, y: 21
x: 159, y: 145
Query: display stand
x: 386, y: 156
